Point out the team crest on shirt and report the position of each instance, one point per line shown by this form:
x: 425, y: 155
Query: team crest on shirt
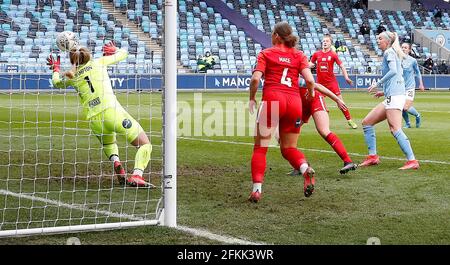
x: 323, y: 66
x: 126, y: 123
x: 298, y: 123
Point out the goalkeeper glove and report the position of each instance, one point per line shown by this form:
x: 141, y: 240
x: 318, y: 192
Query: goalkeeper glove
x: 109, y: 48
x: 54, y: 65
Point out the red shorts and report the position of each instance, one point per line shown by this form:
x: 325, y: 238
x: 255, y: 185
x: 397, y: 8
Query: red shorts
x: 309, y: 107
x: 280, y: 108
x: 333, y: 87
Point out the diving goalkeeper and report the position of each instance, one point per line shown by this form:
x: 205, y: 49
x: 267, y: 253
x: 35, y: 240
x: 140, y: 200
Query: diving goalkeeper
x: 106, y: 116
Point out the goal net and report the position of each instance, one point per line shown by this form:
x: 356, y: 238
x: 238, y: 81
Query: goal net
x: 54, y: 174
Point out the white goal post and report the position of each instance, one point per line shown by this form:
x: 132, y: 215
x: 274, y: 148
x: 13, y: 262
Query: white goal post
x: 48, y: 155
x: 170, y: 114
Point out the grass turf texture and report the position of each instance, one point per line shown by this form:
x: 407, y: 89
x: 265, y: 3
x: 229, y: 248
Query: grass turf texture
x: 214, y: 180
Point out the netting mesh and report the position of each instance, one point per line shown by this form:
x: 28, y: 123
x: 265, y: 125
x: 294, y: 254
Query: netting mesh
x: 53, y: 171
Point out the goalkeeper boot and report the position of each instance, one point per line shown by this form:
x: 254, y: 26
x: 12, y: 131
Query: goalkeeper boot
x: 255, y: 196
x: 309, y: 182
x: 120, y: 172
x: 352, y: 124
x: 348, y: 166
x: 370, y: 160
x: 138, y: 181
x: 411, y: 164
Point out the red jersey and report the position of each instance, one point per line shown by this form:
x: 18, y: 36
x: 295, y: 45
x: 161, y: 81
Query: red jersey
x: 281, y: 68
x: 325, y: 66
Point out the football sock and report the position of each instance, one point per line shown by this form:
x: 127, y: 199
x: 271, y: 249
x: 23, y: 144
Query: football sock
x: 303, y: 167
x: 142, y: 157
x: 294, y: 156
x: 405, y: 116
x: 413, y: 111
x: 347, y: 114
x: 257, y: 187
x: 338, y: 147
x: 138, y: 172
x: 370, y: 139
x: 111, y: 150
x: 114, y: 158
x: 404, y: 144
x: 258, y: 163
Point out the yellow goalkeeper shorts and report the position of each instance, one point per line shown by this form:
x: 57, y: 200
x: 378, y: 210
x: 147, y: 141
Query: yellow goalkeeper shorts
x: 112, y: 121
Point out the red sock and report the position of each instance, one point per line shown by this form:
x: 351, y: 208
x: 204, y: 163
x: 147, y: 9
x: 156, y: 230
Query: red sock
x: 294, y: 156
x: 258, y: 163
x: 347, y: 114
x: 338, y: 147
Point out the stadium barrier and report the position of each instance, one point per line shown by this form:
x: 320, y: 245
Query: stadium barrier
x: 21, y: 81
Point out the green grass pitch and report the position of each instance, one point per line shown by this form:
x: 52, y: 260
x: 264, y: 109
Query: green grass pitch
x: 47, y: 150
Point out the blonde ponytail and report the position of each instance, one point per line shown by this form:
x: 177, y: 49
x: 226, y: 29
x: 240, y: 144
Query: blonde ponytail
x: 395, y: 43
x: 397, y: 48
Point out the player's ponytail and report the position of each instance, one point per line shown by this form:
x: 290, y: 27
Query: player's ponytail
x: 284, y: 31
x: 397, y: 48
x: 78, y: 56
x: 291, y: 41
x: 395, y: 43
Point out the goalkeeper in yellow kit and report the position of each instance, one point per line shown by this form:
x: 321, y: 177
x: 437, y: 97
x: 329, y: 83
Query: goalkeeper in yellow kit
x: 106, y: 116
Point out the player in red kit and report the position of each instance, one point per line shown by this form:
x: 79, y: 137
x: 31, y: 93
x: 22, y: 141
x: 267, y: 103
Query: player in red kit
x: 319, y: 112
x: 281, y: 105
x: 324, y: 61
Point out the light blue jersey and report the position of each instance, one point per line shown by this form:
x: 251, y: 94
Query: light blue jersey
x: 392, y: 81
x: 410, y: 71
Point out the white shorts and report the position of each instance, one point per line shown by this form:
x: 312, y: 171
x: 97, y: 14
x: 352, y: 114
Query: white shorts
x: 410, y: 94
x: 395, y: 102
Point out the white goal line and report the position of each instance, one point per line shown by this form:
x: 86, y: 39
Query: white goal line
x: 135, y: 221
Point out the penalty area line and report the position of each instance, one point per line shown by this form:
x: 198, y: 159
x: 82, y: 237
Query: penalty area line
x: 309, y: 149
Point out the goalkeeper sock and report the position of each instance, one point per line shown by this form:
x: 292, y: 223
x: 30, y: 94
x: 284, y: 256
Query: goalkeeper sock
x: 138, y: 172
x: 114, y: 158
x: 258, y: 163
x: 142, y: 157
x: 111, y: 150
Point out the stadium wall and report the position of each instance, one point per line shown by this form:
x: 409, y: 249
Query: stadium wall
x: 23, y: 81
x: 393, y: 5
x: 436, y: 40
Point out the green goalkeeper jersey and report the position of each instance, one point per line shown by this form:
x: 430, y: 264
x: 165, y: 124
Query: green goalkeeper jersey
x: 92, y: 83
